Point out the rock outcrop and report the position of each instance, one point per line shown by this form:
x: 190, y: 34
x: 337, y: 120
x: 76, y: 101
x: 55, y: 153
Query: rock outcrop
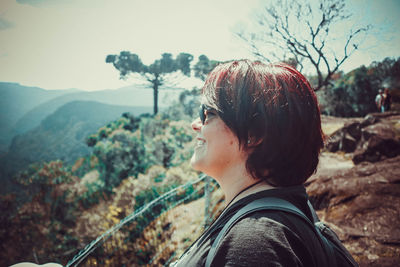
x: 362, y: 203
x: 372, y: 139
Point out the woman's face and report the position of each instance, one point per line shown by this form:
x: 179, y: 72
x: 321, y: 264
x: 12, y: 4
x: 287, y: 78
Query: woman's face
x: 217, y: 149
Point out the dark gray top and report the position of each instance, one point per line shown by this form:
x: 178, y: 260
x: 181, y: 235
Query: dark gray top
x: 264, y: 238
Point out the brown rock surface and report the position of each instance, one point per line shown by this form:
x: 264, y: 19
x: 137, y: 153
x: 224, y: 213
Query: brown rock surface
x: 372, y: 139
x: 378, y: 141
x: 362, y: 204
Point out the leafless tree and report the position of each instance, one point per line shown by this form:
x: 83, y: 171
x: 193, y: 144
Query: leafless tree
x: 305, y: 33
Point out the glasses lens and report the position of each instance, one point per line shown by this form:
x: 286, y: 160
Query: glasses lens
x: 201, y: 113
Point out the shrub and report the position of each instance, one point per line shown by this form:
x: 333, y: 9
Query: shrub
x: 354, y: 93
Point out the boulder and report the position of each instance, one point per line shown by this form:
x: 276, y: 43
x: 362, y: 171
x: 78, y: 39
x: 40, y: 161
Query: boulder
x: 347, y: 143
x: 345, y: 139
x: 371, y: 139
x: 332, y: 145
x: 368, y: 120
x: 379, y: 141
x: 383, y: 129
x: 354, y: 130
x: 362, y: 204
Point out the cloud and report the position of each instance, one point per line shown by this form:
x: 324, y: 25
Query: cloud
x: 5, y: 24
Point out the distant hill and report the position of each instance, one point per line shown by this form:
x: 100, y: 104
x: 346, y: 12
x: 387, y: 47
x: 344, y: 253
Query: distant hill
x: 16, y: 100
x: 61, y: 135
x: 22, y: 108
x: 135, y: 95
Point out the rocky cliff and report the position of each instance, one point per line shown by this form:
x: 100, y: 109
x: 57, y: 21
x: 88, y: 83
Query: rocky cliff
x: 362, y: 202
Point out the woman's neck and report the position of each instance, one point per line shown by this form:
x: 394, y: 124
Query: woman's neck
x: 256, y: 187
x: 239, y: 184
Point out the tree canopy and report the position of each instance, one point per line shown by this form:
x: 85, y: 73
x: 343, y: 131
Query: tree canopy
x: 203, y: 67
x: 127, y: 63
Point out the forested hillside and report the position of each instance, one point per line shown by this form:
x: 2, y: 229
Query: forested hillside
x: 146, y: 154
x: 60, y: 136
x: 15, y: 101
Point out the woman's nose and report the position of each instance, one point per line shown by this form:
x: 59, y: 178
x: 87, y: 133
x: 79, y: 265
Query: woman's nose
x: 196, y: 125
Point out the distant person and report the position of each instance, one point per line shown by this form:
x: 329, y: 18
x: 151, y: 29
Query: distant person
x: 259, y: 136
x: 379, y: 101
x: 387, y: 100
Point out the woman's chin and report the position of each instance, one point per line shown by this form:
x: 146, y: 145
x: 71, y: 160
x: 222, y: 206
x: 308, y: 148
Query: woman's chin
x: 195, y: 162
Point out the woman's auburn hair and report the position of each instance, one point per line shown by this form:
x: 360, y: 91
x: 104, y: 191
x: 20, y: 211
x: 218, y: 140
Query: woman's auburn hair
x: 274, y: 113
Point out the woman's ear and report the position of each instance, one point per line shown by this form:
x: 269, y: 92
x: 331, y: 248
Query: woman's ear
x: 253, y: 142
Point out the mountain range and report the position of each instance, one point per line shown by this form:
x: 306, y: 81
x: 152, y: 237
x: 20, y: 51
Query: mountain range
x: 42, y: 125
x: 22, y: 108
x: 15, y: 101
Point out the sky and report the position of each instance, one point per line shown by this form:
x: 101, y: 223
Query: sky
x: 61, y: 44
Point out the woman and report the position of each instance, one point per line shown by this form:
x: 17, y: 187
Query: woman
x: 259, y: 134
x: 387, y: 100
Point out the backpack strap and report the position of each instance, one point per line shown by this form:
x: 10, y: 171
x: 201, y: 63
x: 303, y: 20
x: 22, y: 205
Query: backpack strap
x: 271, y: 203
x: 314, y: 215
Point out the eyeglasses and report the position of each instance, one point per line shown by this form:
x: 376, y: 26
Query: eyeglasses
x: 202, y: 112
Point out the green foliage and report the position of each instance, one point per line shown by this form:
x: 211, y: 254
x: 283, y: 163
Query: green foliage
x: 188, y: 107
x: 93, y: 193
x: 51, y: 173
x: 132, y: 122
x: 127, y: 63
x: 120, y: 156
x: 62, y: 135
x: 127, y: 122
x: 203, y: 67
x: 161, y: 151
x: 91, y: 140
x: 151, y: 127
x: 189, y: 101
x: 354, y: 93
x: 146, y: 196
x: 130, y: 145
x: 180, y: 133
x: 43, y: 219
x: 124, y: 148
x: 183, y: 63
x: 164, y: 140
x: 56, y: 204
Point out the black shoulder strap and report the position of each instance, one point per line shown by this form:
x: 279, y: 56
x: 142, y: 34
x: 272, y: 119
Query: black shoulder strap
x: 270, y: 203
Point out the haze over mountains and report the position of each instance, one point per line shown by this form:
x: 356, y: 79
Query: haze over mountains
x: 17, y: 100
x: 22, y: 108
x: 42, y: 125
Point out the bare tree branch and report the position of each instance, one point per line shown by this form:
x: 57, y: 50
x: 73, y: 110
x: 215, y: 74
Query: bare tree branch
x: 305, y: 33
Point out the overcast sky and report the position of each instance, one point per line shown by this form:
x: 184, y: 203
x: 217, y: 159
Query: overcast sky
x: 59, y: 44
